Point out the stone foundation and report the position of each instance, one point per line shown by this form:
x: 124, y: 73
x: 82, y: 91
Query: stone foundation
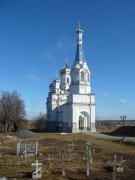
x: 93, y: 129
x: 53, y: 126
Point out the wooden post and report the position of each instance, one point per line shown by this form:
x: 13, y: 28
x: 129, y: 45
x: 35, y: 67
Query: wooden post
x: 63, y: 164
x: 88, y: 157
x: 36, y: 148
x: 114, y: 168
x: 88, y: 165
x: 25, y: 147
x: 18, y: 148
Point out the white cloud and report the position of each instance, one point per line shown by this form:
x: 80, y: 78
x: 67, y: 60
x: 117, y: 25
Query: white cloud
x: 33, y: 70
x: 122, y: 101
x: 59, y: 45
x: 62, y: 44
x: 103, y: 94
x: 33, y: 77
x: 48, y: 56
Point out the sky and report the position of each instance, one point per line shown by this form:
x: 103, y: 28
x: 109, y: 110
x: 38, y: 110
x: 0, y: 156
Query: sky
x: 36, y: 37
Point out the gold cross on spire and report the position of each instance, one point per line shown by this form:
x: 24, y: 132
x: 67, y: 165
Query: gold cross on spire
x: 66, y: 62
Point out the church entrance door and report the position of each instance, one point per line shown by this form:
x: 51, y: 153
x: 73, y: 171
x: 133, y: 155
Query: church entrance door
x: 85, y: 120
x: 81, y: 123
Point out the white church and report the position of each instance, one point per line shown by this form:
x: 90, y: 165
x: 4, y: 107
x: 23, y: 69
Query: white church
x: 70, y: 102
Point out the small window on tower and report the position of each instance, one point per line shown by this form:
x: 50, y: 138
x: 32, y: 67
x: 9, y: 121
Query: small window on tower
x: 82, y: 76
x: 67, y: 80
x: 88, y: 78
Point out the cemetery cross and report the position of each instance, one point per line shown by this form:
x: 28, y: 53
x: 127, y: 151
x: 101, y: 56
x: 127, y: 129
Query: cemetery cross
x: 37, y: 167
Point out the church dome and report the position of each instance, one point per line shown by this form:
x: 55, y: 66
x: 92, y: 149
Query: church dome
x: 51, y: 85
x: 65, y: 69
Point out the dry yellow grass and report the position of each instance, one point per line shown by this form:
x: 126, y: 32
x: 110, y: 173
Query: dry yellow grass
x: 12, y: 166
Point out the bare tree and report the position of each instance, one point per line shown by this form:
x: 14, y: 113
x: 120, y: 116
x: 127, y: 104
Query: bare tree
x: 39, y: 122
x: 12, y: 110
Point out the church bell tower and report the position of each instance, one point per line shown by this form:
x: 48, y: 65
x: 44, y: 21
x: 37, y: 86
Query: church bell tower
x: 80, y: 73
x: 65, y: 78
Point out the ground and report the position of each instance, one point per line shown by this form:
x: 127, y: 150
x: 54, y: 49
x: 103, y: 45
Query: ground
x: 13, y: 166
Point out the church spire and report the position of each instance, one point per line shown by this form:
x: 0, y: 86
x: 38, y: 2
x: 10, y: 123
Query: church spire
x: 79, y: 50
x: 56, y: 77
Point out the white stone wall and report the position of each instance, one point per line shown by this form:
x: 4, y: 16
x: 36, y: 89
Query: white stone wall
x: 68, y: 100
x: 65, y: 115
x: 79, y: 110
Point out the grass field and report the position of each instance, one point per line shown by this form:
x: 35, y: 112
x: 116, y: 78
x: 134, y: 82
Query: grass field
x: 13, y: 166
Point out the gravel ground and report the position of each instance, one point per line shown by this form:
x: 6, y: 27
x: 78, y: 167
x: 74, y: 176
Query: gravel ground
x: 25, y: 134
x: 99, y: 135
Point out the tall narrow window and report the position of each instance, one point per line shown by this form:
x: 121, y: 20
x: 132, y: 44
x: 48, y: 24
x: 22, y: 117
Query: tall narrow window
x: 68, y: 80
x: 82, y: 76
x: 88, y: 78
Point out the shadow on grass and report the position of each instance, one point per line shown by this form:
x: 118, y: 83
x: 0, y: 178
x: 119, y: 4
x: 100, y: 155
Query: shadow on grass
x: 38, y: 130
x: 42, y: 131
x: 108, y: 168
x: 79, y: 174
x: 128, y: 131
x: 129, y: 143
x: 26, y: 174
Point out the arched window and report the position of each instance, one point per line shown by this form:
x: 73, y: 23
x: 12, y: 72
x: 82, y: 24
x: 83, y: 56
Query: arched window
x: 82, y: 76
x: 68, y: 80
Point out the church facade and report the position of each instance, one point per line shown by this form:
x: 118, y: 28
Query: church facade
x: 70, y: 103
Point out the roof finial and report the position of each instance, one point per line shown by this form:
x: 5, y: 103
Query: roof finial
x: 66, y: 62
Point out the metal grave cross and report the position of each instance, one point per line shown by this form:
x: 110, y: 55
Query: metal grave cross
x: 38, y: 169
x: 88, y: 156
x: 49, y: 158
x: 116, y: 166
x: 71, y: 148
